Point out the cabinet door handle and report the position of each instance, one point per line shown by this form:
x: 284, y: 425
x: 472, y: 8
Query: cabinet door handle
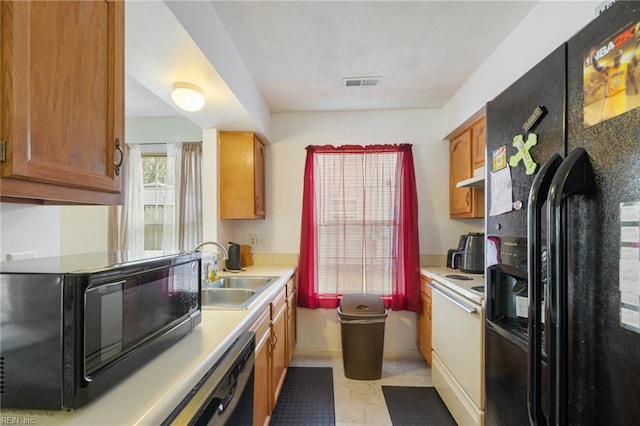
x: 119, y: 163
x: 467, y: 197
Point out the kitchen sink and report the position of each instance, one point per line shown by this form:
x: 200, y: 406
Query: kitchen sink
x: 226, y: 296
x: 234, y: 293
x: 242, y: 282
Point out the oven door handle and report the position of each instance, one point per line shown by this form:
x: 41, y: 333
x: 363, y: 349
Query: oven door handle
x: 468, y: 309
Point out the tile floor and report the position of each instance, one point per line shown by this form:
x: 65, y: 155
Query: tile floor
x: 361, y: 402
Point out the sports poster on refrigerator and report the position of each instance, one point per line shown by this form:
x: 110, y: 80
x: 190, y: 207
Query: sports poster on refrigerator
x: 611, y: 76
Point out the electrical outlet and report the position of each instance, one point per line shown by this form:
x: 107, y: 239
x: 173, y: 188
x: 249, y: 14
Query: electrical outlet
x: 256, y: 240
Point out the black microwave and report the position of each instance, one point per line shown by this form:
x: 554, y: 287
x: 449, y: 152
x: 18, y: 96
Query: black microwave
x: 74, y: 326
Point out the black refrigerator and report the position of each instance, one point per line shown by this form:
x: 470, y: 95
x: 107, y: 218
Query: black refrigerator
x: 562, y: 328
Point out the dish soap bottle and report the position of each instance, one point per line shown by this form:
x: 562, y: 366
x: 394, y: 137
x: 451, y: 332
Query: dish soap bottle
x: 213, y: 267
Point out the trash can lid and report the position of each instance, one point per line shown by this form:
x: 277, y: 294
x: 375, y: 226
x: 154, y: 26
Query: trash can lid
x: 362, y: 305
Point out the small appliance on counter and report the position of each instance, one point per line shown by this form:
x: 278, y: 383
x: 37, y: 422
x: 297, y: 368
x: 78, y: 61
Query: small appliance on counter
x: 469, y: 256
x: 79, y: 324
x: 453, y: 259
x: 453, y: 255
x: 246, y: 257
x: 472, y: 258
x: 233, y: 261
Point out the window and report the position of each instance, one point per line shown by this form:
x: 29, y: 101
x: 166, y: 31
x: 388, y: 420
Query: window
x: 356, y: 216
x: 163, y: 198
x: 359, y: 226
x: 159, y: 200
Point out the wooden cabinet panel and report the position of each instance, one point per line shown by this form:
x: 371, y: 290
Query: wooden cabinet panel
x: 291, y: 319
x: 279, y: 347
x: 62, y: 98
x: 258, y: 178
x: 460, y: 169
x: 242, y: 167
x: 466, y: 152
x: 424, y: 320
x: 478, y: 143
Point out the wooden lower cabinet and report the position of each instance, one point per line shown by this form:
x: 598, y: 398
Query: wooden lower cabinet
x: 423, y: 326
x: 275, y: 340
x: 291, y: 319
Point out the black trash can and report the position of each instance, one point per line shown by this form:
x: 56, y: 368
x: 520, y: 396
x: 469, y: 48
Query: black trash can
x: 362, y: 318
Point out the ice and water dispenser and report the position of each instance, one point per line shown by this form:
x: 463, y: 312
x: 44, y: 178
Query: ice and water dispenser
x: 507, y: 285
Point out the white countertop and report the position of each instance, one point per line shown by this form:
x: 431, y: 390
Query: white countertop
x: 149, y: 395
x: 463, y: 287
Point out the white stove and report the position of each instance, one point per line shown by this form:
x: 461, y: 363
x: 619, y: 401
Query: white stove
x: 458, y: 342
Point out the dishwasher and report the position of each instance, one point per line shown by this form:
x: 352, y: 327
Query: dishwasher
x: 224, y: 396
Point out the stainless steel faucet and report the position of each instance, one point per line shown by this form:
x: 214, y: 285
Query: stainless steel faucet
x: 220, y: 246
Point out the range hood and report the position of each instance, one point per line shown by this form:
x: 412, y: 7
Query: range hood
x: 476, y: 181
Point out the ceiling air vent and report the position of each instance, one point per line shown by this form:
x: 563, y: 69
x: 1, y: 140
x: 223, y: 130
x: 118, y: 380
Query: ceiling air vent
x: 361, y: 81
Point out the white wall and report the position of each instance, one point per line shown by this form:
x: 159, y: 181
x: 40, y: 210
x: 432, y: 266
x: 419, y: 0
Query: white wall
x: 29, y: 228
x: 83, y: 229
x: 161, y: 130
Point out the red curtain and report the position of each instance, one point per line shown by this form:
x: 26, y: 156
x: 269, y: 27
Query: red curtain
x: 405, y: 294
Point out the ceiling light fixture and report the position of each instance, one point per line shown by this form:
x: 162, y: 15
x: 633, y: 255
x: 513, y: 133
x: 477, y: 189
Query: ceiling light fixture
x: 187, y: 96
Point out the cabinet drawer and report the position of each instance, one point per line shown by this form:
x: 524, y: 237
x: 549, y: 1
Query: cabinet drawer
x: 261, y: 327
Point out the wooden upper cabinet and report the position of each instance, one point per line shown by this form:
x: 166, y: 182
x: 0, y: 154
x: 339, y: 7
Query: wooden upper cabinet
x: 460, y: 169
x: 62, y: 98
x: 478, y: 143
x: 242, y: 185
x: 466, y: 153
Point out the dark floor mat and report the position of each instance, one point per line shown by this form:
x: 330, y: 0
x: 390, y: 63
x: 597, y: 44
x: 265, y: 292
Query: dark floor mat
x: 306, y: 398
x: 409, y: 405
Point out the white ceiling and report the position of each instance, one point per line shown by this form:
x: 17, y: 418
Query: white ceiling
x: 295, y: 54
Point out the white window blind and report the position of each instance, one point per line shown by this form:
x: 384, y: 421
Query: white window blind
x: 356, y: 212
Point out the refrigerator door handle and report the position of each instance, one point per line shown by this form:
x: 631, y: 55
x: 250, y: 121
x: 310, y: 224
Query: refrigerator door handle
x: 574, y: 177
x: 537, y: 197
